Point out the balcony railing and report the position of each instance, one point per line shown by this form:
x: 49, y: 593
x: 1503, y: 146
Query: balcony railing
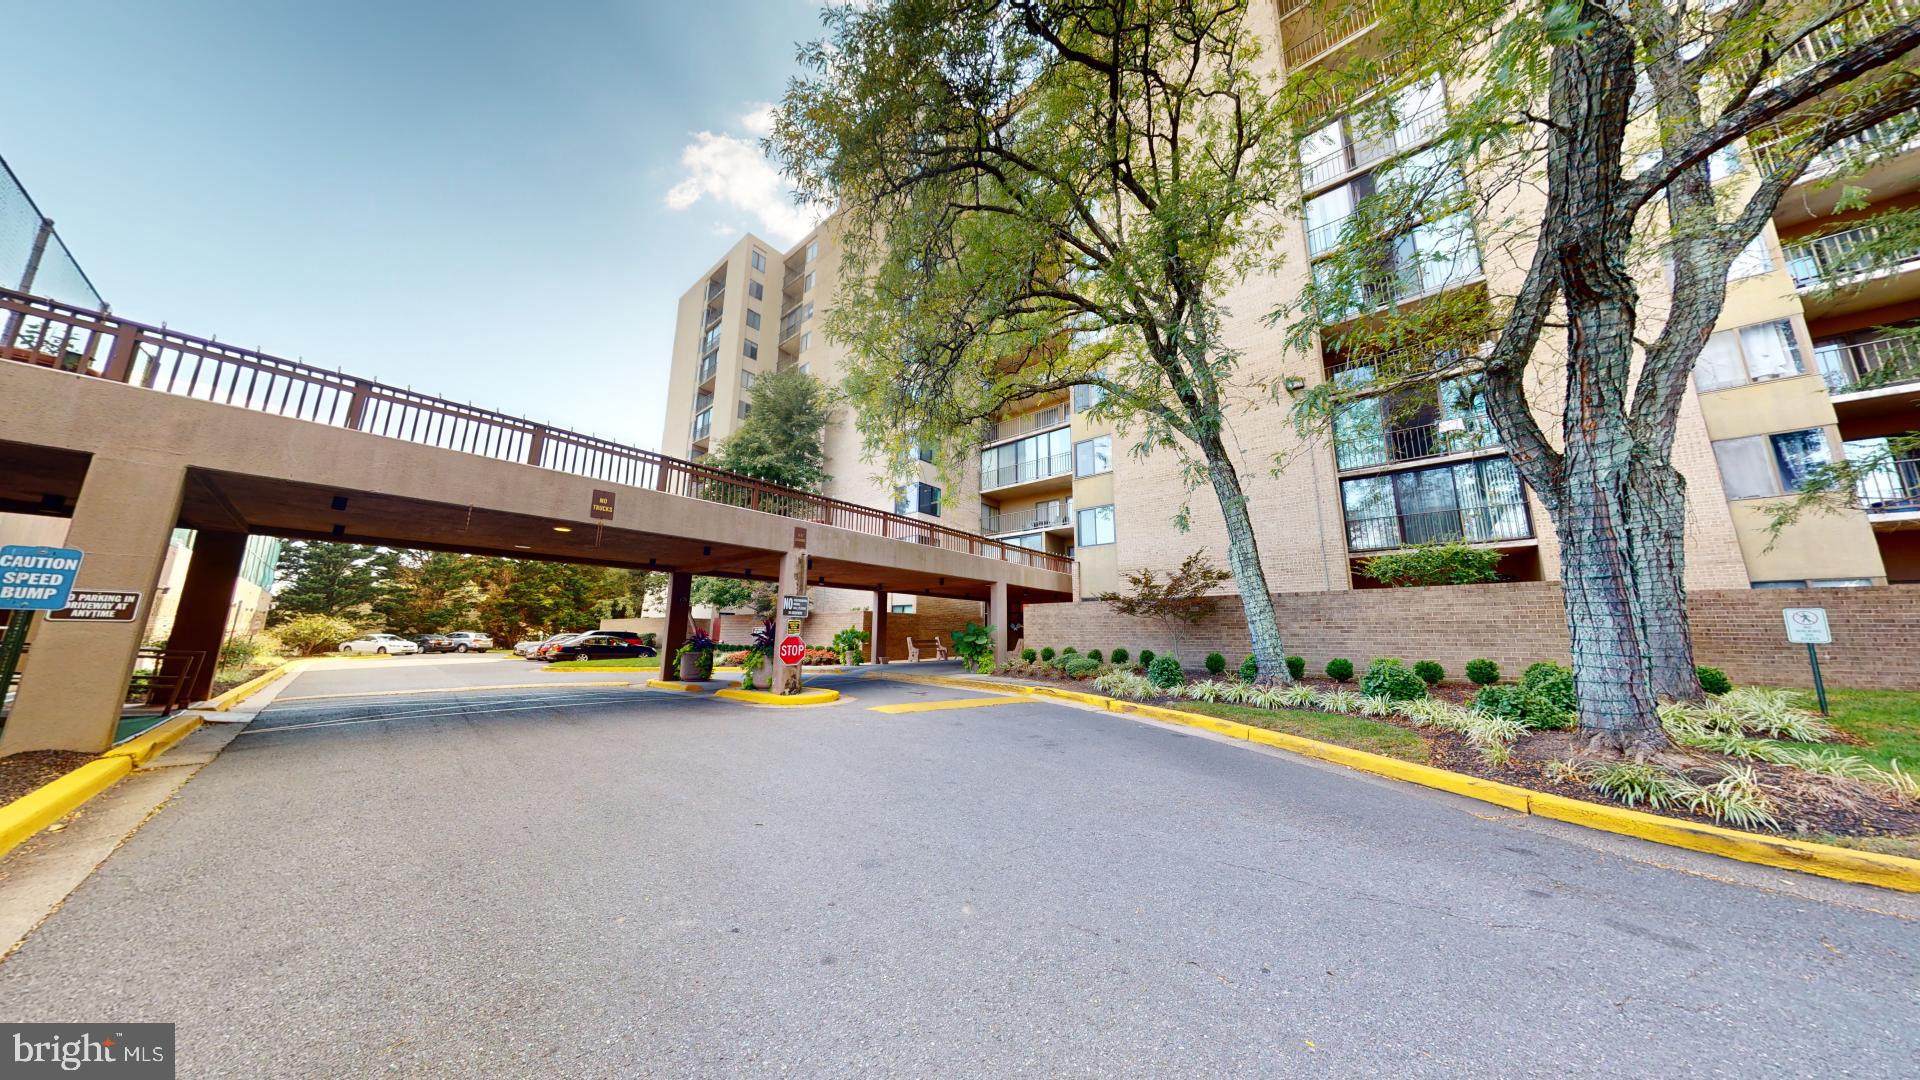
x: 1472, y: 524
x: 1865, y: 365
x: 995, y: 523
x: 702, y: 424
x: 1353, y: 155
x: 1016, y: 426
x: 1343, y: 25
x: 1828, y: 260
x: 790, y: 323
x: 715, y: 288
x: 1893, y: 488
x: 1883, y: 140
x: 709, y: 364
x: 1437, y: 439
x: 711, y: 339
x: 1842, y: 34
x: 1022, y: 472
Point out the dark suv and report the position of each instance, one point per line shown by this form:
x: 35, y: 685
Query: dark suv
x: 433, y: 642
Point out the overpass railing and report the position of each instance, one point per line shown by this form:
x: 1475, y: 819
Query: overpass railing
x: 51, y: 334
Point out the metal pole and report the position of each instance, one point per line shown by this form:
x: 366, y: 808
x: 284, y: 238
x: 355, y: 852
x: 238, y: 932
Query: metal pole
x: 11, y: 645
x: 1819, y: 686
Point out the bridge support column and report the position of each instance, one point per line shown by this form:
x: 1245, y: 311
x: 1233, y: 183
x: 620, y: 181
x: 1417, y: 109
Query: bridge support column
x: 75, y: 678
x: 793, y: 582
x: 679, y: 615
x: 997, y: 615
x: 879, y: 641
x: 200, y: 621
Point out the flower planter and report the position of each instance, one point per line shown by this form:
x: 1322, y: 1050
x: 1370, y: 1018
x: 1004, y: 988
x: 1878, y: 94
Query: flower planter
x: 696, y: 666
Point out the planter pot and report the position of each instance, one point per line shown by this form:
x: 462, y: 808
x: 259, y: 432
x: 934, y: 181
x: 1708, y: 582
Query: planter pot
x: 691, y: 665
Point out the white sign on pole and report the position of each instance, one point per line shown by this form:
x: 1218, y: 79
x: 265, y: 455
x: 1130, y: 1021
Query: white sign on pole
x: 1807, y: 626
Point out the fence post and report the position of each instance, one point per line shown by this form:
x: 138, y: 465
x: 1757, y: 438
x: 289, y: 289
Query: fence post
x: 357, y: 405
x: 537, y: 446
x: 126, y: 346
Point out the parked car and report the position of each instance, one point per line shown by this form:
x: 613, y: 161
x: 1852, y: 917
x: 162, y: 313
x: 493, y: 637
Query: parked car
x: 601, y: 646
x: 380, y: 643
x: 546, y: 647
x: 433, y: 642
x: 526, y: 648
x: 470, y: 641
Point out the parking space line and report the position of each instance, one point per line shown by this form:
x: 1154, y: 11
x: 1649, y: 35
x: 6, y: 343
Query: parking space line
x: 956, y: 703
x: 451, y: 690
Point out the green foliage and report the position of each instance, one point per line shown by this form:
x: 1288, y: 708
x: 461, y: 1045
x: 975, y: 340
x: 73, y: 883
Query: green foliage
x: 426, y: 592
x: 1082, y: 666
x: 1094, y: 655
x: 1165, y: 671
x: 1146, y: 658
x: 320, y: 577
x: 1187, y: 595
x: 849, y: 644
x: 1118, y: 656
x: 1215, y: 663
x: 1452, y: 563
x: 1430, y: 672
x: 1340, y: 669
x: 782, y: 440
x: 973, y: 643
x: 1070, y: 651
x: 1553, y: 682
x: 1250, y: 669
x: 720, y: 593
x: 1297, y: 667
x: 1390, y: 679
x: 239, y: 652
x: 1030, y: 655
x: 518, y: 594
x: 1483, y: 672
x: 1733, y: 798
x: 1544, y: 699
x: 1713, y: 680
x: 310, y: 634
x: 1047, y: 654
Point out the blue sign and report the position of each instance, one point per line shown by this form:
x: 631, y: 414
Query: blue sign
x: 37, y: 578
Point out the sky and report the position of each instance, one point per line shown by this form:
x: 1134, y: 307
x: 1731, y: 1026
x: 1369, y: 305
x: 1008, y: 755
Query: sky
x: 493, y: 202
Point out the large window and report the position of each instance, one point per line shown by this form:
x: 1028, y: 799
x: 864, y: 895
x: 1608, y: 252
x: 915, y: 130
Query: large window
x: 753, y: 319
x: 1095, y: 526
x: 1475, y: 501
x: 1086, y: 397
x: 756, y: 290
x: 1763, y: 466
x: 1094, y: 456
x: 760, y: 262
x: 1035, y: 457
x: 749, y: 349
x: 1750, y: 354
x: 918, y: 498
x: 1428, y: 420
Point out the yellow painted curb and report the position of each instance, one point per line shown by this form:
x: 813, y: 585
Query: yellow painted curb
x: 252, y: 686
x: 669, y: 684
x: 54, y: 800
x: 154, y: 741
x: 957, y: 703
x: 813, y: 695
x: 1825, y: 860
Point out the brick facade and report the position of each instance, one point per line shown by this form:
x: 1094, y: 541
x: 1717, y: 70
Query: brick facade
x: 1876, y: 630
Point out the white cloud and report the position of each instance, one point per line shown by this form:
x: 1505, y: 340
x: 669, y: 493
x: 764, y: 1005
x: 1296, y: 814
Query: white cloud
x: 731, y: 170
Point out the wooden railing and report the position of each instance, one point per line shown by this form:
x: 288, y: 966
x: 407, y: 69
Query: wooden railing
x: 50, y: 334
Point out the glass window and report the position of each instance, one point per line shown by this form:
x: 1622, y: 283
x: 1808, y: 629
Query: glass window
x: 1323, y: 154
x: 1799, y: 453
x: 917, y: 498
x: 753, y: 319
x: 1093, y: 456
x: 924, y: 453
x: 1719, y: 365
x: 813, y: 251
x: 806, y: 341
x: 1359, y: 438
x: 1371, y: 523
x: 809, y: 281
x: 745, y: 408
x: 756, y: 290
x: 1753, y: 260
x: 1086, y: 397
x: 1770, y: 350
x: 746, y: 380
x: 760, y: 262
x: 749, y: 349
x: 1746, y: 468
x: 1325, y: 214
x: 1095, y: 526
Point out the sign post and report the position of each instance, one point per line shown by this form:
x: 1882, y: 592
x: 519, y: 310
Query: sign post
x: 1809, y: 626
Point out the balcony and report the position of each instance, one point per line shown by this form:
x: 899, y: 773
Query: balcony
x: 715, y: 288
x: 709, y: 366
x: 1026, y: 424
x: 790, y: 323
x: 1844, y: 258
x: 1027, y: 472
x: 1884, y: 140
x: 710, y: 340
x: 1312, y: 29
x: 1842, y: 34
x: 1357, y: 154
x: 995, y: 523
x: 1492, y: 523
x: 1855, y: 367
x: 1438, y: 438
x: 702, y: 426
x: 1893, y: 488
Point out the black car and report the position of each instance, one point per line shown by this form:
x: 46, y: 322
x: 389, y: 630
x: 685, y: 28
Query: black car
x: 608, y: 645
x: 433, y: 642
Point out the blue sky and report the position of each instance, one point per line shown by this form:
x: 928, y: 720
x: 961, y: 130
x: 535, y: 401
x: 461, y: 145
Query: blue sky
x: 497, y: 202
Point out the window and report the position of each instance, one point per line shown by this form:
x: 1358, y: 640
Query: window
x: 917, y: 498
x: 745, y: 408
x: 1474, y: 501
x: 746, y: 380
x: 813, y: 251
x: 901, y: 609
x: 808, y: 284
x: 1095, y: 526
x: 749, y: 349
x: 1093, y: 457
x: 1750, y: 354
x: 756, y: 290
x: 1086, y: 397
x: 806, y: 340
x: 808, y: 312
x: 1763, y: 466
x: 1753, y: 260
x: 760, y: 261
x: 803, y: 368
x: 924, y: 453
x: 753, y: 319
x: 1032, y: 458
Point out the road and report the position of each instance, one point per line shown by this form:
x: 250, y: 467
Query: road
x: 603, y: 881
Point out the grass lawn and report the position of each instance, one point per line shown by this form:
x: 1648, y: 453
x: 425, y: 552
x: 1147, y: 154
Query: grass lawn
x: 1358, y: 732
x: 622, y: 663
x: 1889, y: 721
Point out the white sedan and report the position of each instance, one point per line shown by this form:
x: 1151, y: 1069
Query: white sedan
x: 379, y: 644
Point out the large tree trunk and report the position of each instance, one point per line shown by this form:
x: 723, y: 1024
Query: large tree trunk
x: 1657, y: 514
x: 1243, y: 559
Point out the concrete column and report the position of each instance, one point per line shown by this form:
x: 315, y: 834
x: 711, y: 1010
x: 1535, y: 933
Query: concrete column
x: 200, y: 621
x: 679, y: 615
x: 793, y: 582
x: 76, y: 676
x: 880, y: 613
x: 997, y: 614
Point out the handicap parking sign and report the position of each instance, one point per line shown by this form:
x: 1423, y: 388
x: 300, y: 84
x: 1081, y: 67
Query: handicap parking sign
x: 37, y: 578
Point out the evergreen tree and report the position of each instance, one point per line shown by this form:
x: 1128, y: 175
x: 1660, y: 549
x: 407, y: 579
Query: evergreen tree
x: 783, y: 438
x: 319, y: 577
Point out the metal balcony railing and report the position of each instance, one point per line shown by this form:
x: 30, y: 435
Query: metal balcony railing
x: 1353, y: 155
x: 1828, y: 260
x: 996, y: 523
x: 1883, y: 140
x: 1891, y: 489
x: 1472, y: 524
x: 715, y: 288
x: 1342, y: 25
x: 1012, y: 428
x: 1023, y: 472
x: 1864, y: 365
x: 709, y: 364
x: 702, y: 425
x: 1844, y: 33
x: 711, y: 339
x: 1436, y: 439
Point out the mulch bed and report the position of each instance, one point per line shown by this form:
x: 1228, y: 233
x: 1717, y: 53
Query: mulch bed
x: 22, y: 773
x: 1806, y: 805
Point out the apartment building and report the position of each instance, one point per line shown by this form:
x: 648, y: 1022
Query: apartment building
x: 1795, y: 375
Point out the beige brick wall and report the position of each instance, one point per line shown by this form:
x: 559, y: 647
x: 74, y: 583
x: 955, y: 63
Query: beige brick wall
x: 1876, y: 630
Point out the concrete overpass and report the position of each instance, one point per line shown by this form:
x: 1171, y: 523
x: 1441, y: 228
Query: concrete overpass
x: 132, y: 430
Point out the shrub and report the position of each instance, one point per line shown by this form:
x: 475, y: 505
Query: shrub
x: 1165, y: 672
x: 1340, y: 669
x: 1082, y: 666
x: 1216, y: 664
x: 1118, y: 656
x: 1297, y: 667
x: 239, y: 652
x: 1538, y: 704
x: 1069, y: 651
x: 309, y: 634
x: 1250, y: 669
x: 1391, y: 679
x: 1146, y: 658
x: 1453, y: 563
x: 1483, y: 672
x: 1094, y: 655
x: 1047, y: 654
x: 1553, y: 682
x: 973, y: 643
x: 1029, y: 655
x: 1713, y: 680
x: 1430, y: 672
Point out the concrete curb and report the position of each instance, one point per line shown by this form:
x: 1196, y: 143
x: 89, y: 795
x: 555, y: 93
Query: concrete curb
x: 156, y: 740
x: 809, y: 696
x: 252, y: 686
x: 1825, y: 860
x: 683, y: 687
x: 48, y: 803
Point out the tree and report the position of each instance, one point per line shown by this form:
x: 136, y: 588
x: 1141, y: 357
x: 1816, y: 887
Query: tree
x: 782, y: 440
x: 430, y: 592
x: 644, y: 588
x: 310, y: 634
x: 521, y: 594
x: 1186, y: 596
x: 1039, y: 195
x: 720, y: 593
x: 321, y: 577
x: 1629, y: 106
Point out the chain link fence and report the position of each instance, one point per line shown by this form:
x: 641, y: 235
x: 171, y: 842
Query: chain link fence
x: 33, y: 258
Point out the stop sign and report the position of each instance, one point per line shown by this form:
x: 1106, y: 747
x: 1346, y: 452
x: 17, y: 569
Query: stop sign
x: 792, y: 649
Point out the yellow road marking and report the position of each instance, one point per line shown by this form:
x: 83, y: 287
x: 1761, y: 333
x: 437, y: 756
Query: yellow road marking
x: 449, y: 690
x: 956, y: 703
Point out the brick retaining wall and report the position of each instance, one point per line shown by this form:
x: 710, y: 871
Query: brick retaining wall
x: 1876, y: 630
